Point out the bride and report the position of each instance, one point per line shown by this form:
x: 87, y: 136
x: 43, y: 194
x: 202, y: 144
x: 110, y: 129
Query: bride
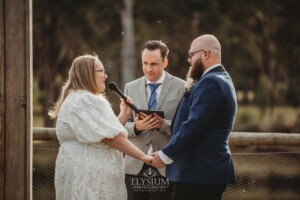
x: 90, y: 163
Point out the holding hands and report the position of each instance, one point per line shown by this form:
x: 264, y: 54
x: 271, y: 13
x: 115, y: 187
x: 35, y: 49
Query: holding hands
x: 157, y: 162
x: 147, y: 159
x: 154, y: 160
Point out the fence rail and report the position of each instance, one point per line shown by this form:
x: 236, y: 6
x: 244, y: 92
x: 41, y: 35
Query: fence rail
x: 260, y: 175
x: 240, y: 138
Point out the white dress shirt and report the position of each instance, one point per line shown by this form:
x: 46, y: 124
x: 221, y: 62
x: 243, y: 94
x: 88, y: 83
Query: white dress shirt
x: 158, y: 90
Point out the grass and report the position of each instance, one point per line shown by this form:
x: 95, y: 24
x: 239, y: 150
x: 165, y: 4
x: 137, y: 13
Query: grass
x: 253, y: 118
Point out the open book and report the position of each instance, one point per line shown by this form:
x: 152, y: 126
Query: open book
x: 148, y: 112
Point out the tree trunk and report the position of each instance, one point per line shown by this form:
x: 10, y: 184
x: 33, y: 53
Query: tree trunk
x: 128, y: 59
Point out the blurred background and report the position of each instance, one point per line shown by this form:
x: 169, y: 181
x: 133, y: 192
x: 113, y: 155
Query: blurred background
x: 260, y: 49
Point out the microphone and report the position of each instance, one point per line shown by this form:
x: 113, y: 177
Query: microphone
x: 113, y: 87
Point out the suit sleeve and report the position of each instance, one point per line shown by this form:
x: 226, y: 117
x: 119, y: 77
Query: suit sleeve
x: 205, y: 102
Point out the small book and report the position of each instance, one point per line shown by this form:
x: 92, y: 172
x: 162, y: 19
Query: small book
x: 149, y: 112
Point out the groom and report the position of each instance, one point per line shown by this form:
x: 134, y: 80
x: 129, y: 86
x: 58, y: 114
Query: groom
x: 198, y: 158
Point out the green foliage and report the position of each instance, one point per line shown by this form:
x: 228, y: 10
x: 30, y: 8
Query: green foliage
x: 262, y: 99
x: 259, y: 41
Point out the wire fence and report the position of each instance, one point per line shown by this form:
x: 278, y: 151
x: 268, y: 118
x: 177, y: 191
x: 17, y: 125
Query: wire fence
x: 262, y: 176
x: 266, y: 176
x: 44, y: 156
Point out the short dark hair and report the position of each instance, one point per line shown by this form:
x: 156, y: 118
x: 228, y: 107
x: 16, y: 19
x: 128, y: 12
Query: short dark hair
x: 157, y: 44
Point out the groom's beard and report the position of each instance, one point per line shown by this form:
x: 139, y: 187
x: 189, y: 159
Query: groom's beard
x: 196, y: 70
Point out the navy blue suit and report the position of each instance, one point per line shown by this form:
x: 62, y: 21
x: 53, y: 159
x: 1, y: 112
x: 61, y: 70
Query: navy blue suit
x: 200, y: 131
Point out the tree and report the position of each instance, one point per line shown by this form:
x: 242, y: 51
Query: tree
x: 65, y: 29
x: 128, y: 59
x: 256, y: 48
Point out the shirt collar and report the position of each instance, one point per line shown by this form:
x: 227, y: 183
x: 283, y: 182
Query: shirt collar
x: 210, y: 68
x: 160, y: 80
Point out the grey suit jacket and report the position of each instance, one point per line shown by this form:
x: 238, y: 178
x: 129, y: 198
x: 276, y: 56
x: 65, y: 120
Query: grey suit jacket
x: 170, y: 96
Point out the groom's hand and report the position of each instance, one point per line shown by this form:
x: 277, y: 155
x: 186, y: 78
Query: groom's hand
x: 157, y: 162
x: 148, y: 159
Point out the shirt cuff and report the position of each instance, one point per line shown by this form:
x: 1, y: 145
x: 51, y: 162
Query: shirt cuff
x: 165, y: 158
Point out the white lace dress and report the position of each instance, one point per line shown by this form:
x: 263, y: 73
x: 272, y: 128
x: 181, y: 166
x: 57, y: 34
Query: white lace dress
x: 86, y: 168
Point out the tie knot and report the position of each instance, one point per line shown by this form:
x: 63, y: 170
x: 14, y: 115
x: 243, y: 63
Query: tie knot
x: 154, y: 86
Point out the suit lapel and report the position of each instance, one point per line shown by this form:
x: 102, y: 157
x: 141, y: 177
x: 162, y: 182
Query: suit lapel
x: 143, y: 94
x: 164, y: 90
x: 217, y: 69
x: 175, y: 115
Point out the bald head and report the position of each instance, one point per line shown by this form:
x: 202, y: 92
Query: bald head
x: 208, y: 42
x: 211, y: 44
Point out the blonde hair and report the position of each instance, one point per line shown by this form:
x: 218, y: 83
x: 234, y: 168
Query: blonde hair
x: 81, y: 77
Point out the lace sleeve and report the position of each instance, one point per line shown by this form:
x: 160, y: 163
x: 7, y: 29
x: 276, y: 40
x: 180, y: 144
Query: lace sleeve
x: 92, y: 119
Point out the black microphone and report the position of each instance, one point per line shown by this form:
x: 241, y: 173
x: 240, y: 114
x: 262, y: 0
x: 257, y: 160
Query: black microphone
x: 113, y: 87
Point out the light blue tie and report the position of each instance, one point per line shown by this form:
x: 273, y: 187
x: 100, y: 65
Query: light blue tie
x: 152, y: 100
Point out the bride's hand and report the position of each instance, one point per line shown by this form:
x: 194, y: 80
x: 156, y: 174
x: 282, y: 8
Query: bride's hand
x: 147, y: 159
x: 125, y: 110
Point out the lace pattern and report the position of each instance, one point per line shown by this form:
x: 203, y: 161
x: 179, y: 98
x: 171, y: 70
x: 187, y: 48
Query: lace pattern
x: 86, y: 168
